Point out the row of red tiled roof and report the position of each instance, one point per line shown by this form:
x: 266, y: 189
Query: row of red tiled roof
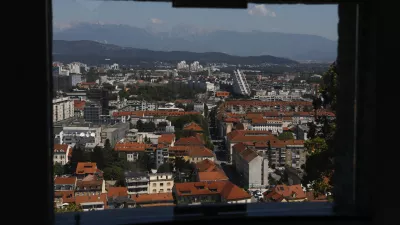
x: 153, y: 113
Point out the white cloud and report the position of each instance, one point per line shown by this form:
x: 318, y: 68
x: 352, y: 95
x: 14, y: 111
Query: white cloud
x: 261, y: 10
x: 156, y: 21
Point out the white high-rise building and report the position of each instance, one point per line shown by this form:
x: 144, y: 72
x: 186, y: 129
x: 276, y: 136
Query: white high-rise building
x: 63, y: 108
x: 182, y: 65
x: 240, y: 85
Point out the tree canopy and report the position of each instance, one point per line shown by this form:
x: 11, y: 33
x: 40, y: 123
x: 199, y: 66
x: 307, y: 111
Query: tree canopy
x: 286, y: 136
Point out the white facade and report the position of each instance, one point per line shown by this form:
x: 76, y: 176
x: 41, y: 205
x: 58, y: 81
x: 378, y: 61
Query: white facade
x: 82, y: 135
x: 76, y: 79
x: 74, y: 68
x: 114, y: 66
x: 60, y: 155
x: 276, y: 126
x: 254, y: 172
x: 240, y: 85
x: 160, y: 183
x: 63, y: 108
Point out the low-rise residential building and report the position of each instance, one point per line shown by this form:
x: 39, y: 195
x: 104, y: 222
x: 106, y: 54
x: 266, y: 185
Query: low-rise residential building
x: 275, y: 126
x: 90, y: 185
x: 160, y: 182
x: 92, y: 202
x: 132, y: 150
x: 83, y: 169
x: 65, y: 183
x: 137, y: 182
x: 285, y: 193
x: 62, y: 153
x: 193, y: 193
x: 152, y: 200
x: 238, y: 136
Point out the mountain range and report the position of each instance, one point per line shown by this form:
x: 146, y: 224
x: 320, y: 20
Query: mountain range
x: 92, y: 52
x: 189, y: 38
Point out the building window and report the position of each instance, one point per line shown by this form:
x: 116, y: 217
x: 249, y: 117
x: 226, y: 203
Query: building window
x: 161, y: 190
x: 161, y: 184
x: 168, y: 184
x: 154, y: 184
x: 154, y: 190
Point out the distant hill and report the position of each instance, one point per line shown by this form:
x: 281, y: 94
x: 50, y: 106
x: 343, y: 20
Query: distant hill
x: 92, y: 52
x: 189, y: 38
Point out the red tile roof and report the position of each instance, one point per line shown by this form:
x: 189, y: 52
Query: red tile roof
x: 131, y: 147
x: 91, y: 198
x: 61, y: 148
x: 117, y: 191
x: 86, y: 168
x: 166, y: 139
x: 225, y: 189
x: 79, y: 104
x: 250, y: 136
x: 189, y: 141
x: 153, y: 113
x: 153, y: 198
x: 193, y: 126
x: 212, y: 176
x: 65, y: 180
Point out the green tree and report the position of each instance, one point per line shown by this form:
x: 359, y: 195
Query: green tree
x: 58, y: 169
x: 113, y: 173
x: 98, y: 157
x: 71, y: 207
x: 286, y: 136
x: 165, y: 168
x: 78, y: 155
x: 315, y: 145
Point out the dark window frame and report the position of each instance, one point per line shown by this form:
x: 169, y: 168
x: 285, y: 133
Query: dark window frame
x: 356, y: 115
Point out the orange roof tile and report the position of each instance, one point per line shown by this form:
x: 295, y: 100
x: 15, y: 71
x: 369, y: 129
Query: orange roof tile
x: 189, y: 141
x: 65, y: 180
x: 225, y: 189
x: 207, y: 166
x: 117, y: 191
x: 212, y: 176
x: 131, y: 147
x: 193, y: 126
x: 202, y: 151
x: 153, y: 113
x: 153, y: 198
x: 79, y: 104
x: 61, y: 147
x: 250, y: 136
x: 91, y: 198
x: 166, y: 139
x: 86, y: 168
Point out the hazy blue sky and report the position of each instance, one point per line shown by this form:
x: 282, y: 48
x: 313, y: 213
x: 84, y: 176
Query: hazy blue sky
x: 302, y: 19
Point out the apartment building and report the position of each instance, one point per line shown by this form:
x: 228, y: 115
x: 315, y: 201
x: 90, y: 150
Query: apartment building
x: 160, y: 182
x: 62, y: 154
x: 240, y: 85
x: 63, y: 108
x: 251, y: 136
x: 132, y: 150
x: 196, y: 193
x: 275, y: 126
x: 137, y: 182
x: 252, y: 167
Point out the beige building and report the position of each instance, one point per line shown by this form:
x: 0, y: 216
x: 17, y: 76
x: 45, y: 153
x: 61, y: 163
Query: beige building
x: 160, y: 183
x: 63, y: 108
